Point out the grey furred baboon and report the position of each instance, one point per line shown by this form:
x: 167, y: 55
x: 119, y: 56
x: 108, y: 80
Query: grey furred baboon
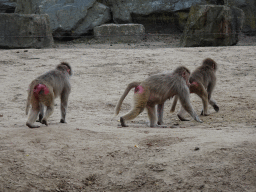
x: 202, y: 82
x: 44, y: 89
x: 155, y: 90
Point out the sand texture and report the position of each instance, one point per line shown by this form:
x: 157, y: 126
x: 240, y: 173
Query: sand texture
x: 90, y: 152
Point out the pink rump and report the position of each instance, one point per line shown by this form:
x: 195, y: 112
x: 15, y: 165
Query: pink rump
x: 139, y: 89
x: 39, y: 88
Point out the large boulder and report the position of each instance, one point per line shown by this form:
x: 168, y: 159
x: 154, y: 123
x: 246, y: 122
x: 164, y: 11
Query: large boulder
x: 123, y: 9
x: 7, y: 7
x: 249, y: 8
x: 64, y: 14
x: 28, y: 6
x: 212, y: 25
x: 68, y: 18
x: 127, y: 33
x: 97, y: 15
x: 25, y: 31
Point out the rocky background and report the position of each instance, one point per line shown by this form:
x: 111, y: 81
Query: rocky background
x: 71, y: 19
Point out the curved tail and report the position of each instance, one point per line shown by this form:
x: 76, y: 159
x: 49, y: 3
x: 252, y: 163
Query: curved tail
x: 174, y: 103
x: 127, y: 90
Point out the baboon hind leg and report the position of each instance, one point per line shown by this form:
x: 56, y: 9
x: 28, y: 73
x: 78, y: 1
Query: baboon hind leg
x: 211, y: 101
x: 140, y: 102
x: 63, y: 106
x: 48, y: 113
x: 41, y: 113
x: 202, y: 93
x: 33, y: 113
x: 131, y: 115
x: 152, y: 116
x: 48, y: 101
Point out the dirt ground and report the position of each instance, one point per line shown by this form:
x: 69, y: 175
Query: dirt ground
x: 90, y: 152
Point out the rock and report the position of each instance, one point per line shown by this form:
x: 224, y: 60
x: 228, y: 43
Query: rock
x: 126, y: 33
x: 7, y: 7
x: 182, y: 18
x: 123, y: 9
x: 65, y: 16
x: 212, y: 25
x: 28, y: 6
x: 75, y: 17
x: 25, y: 31
x: 249, y: 8
x: 68, y: 18
x: 97, y: 15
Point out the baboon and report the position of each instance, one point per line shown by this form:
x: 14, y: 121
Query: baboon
x: 155, y: 90
x: 202, y: 82
x: 44, y: 89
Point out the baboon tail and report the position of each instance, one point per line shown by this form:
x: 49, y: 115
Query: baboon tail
x: 174, y: 103
x: 127, y: 90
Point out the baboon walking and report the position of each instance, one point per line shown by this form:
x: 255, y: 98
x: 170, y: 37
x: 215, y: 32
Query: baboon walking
x: 202, y: 82
x: 44, y: 89
x: 155, y: 90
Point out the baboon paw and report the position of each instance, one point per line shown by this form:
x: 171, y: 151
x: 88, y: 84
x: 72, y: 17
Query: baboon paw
x: 182, y: 118
x: 44, y: 122
x: 216, y: 108
x: 32, y: 126
x: 62, y: 121
x: 204, y: 114
x: 160, y: 123
x: 40, y: 121
x: 122, y: 122
x: 198, y: 120
x: 160, y: 126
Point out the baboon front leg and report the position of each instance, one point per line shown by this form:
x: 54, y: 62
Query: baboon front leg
x: 63, y: 107
x: 160, y: 111
x: 185, y: 102
x: 174, y: 103
x: 181, y: 113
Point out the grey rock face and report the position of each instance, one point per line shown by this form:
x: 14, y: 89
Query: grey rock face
x: 120, y: 32
x: 212, y: 25
x: 96, y: 16
x: 74, y: 17
x: 25, y: 31
x: 28, y: 6
x: 7, y: 6
x: 64, y: 14
x: 122, y: 9
x: 249, y: 8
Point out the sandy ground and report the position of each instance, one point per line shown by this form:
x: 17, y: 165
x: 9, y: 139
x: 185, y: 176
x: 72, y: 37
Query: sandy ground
x: 90, y: 152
